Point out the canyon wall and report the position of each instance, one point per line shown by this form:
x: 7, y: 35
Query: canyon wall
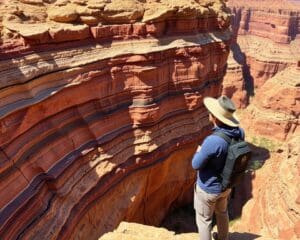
x: 101, y: 110
x: 267, y: 40
x: 263, y: 77
x: 276, y: 20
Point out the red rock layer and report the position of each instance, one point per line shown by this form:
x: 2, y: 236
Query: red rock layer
x: 274, y: 112
x: 266, y: 44
x: 276, y: 20
x: 40, y: 22
x: 259, y: 59
x: 140, y: 197
x: 94, y: 130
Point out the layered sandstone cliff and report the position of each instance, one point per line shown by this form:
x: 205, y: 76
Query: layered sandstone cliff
x: 267, y: 42
x: 274, y: 112
x: 101, y: 110
x: 276, y: 20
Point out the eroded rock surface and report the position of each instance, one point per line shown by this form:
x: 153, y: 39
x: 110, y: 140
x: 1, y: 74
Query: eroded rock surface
x: 37, y: 22
x: 276, y: 20
x: 267, y: 42
x: 101, y: 110
x: 274, y: 112
x: 134, y: 231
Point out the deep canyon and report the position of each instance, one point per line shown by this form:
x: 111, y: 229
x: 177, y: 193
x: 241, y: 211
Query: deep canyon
x: 101, y: 111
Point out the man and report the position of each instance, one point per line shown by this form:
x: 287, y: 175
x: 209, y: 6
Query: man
x: 209, y: 161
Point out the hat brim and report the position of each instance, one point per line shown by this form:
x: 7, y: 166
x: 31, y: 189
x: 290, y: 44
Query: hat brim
x: 213, y: 107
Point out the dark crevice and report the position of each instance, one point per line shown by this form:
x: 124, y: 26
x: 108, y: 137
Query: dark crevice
x: 240, y: 57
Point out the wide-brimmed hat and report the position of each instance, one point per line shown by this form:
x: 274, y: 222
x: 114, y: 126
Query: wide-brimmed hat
x: 223, y: 109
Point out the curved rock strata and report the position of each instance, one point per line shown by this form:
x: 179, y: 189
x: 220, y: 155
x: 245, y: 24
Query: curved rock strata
x: 98, y: 120
x: 255, y: 60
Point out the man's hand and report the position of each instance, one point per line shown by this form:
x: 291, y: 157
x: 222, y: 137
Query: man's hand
x: 198, y: 149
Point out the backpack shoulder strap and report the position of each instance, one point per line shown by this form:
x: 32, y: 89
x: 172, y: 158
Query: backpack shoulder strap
x: 224, y: 136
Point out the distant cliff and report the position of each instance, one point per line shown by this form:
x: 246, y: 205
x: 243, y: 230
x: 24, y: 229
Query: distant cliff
x: 267, y: 41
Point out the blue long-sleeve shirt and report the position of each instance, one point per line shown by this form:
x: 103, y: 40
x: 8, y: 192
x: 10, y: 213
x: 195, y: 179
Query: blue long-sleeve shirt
x: 210, y: 160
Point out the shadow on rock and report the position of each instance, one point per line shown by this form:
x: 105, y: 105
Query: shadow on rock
x: 243, y: 236
x: 181, y: 220
x: 240, y: 57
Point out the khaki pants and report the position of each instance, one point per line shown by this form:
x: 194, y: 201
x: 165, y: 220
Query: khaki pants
x: 205, y: 205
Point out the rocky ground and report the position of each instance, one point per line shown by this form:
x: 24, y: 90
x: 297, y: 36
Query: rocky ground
x: 134, y: 231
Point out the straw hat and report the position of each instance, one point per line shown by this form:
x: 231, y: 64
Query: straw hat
x: 223, y: 109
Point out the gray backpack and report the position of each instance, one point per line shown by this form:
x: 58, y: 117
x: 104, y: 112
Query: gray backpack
x: 236, y: 162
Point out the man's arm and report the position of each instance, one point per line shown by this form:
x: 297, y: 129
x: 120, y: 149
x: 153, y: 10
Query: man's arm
x: 203, y: 154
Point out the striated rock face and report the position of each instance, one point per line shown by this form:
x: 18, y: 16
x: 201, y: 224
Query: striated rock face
x: 276, y: 20
x: 252, y: 62
x: 101, y: 110
x: 267, y: 42
x: 274, y: 112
